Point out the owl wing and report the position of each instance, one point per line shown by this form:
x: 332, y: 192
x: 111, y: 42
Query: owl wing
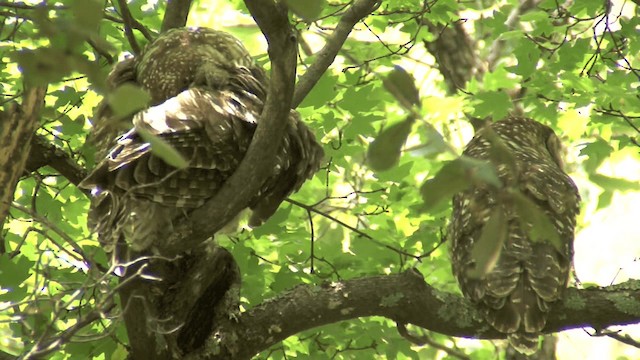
x: 210, y: 129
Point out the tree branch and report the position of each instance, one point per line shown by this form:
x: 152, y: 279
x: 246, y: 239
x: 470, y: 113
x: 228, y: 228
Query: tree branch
x: 44, y: 153
x: 128, y: 21
x: 514, y: 17
x: 324, y: 58
x: 406, y: 299
x: 257, y: 163
x: 18, y: 126
x: 176, y: 14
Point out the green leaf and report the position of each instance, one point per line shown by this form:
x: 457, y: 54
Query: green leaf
x: 13, y: 272
x: 611, y: 183
x: 87, y: 13
x: 384, y: 152
x: 482, y: 172
x: 128, y: 99
x: 363, y: 99
x: 499, y: 79
x: 274, y: 225
x: 535, y: 221
x: 448, y: 181
x: 597, y: 152
x: 402, y: 86
x: 494, y: 104
x: 528, y: 56
x: 398, y: 174
x: 163, y: 150
x: 323, y: 92
x: 486, y: 250
x: 457, y: 176
x: 309, y: 10
x: 499, y: 153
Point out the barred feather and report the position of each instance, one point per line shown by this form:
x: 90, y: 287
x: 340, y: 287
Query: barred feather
x: 516, y: 294
x: 207, y: 96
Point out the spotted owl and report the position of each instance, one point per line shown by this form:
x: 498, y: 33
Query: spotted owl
x: 207, y: 94
x: 515, y: 294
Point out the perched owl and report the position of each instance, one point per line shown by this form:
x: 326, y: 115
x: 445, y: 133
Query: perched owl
x: 207, y: 94
x: 515, y: 294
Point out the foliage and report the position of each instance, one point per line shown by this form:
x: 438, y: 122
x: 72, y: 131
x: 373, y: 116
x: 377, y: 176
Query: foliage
x: 382, y: 105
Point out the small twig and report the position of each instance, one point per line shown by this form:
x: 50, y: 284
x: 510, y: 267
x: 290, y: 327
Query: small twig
x: 128, y: 26
x: 626, y: 339
x: 358, y: 10
x: 354, y: 229
x: 496, y: 48
x: 134, y: 25
x: 426, y: 340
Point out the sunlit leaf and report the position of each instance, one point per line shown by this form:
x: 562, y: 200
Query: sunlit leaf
x: 322, y: 93
x: 597, y: 151
x: 495, y: 104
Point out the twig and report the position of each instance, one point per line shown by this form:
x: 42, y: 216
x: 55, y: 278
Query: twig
x: 354, y: 229
x: 128, y: 25
x: 426, y: 340
x: 44, y: 153
x: 134, y: 25
x: 496, y: 48
x: 44, y: 221
x: 324, y: 58
x: 626, y: 339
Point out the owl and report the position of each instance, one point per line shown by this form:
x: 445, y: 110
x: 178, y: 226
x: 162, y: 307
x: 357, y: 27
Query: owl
x: 515, y: 294
x: 206, y: 95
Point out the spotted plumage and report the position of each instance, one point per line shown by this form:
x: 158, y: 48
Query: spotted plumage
x: 515, y: 294
x: 206, y: 95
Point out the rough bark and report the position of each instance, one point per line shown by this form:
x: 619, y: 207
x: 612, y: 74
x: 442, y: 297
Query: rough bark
x: 17, y: 126
x: 176, y: 14
x: 407, y: 299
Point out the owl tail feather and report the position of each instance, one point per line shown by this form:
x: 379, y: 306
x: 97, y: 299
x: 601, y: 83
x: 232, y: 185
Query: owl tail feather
x: 524, y: 343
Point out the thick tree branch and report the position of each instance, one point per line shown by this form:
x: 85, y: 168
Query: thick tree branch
x: 324, y: 58
x: 407, y: 299
x: 44, y: 153
x: 17, y: 127
x: 176, y: 14
x: 257, y: 163
x: 128, y: 26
